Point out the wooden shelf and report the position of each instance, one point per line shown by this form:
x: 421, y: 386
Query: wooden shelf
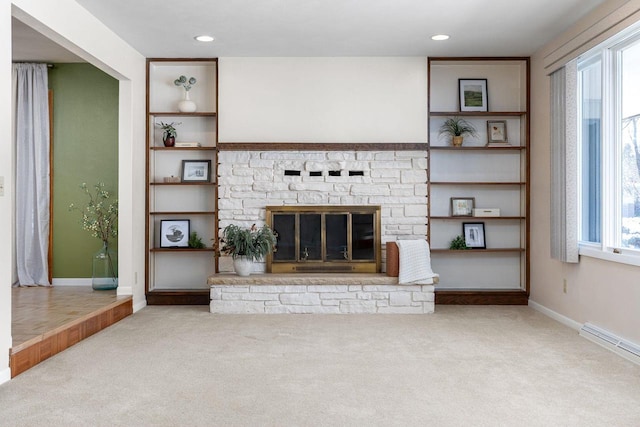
x: 182, y: 183
x: 177, y: 113
x: 182, y: 250
x: 196, y: 201
x: 483, y: 218
x: 475, y: 251
x: 477, y: 113
x: 183, y: 213
x: 500, y: 172
x: 178, y: 297
x: 476, y: 148
x: 183, y: 148
x: 482, y: 297
x: 476, y: 183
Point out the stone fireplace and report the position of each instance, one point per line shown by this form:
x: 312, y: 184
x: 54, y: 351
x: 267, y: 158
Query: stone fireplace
x: 391, y: 182
x: 349, y: 191
x: 322, y: 239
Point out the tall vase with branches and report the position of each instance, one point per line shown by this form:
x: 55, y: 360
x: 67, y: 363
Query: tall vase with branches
x: 100, y: 219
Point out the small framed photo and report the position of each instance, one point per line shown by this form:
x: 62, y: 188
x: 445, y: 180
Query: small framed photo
x: 497, y: 131
x: 473, y: 94
x: 196, y: 170
x: 462, y: 206
x: 473, y: 233
x: 174, y: 233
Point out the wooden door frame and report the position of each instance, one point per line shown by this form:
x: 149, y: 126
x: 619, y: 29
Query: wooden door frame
x: 50, y: 254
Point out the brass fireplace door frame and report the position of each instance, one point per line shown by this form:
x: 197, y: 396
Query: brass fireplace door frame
x: 324, y: 266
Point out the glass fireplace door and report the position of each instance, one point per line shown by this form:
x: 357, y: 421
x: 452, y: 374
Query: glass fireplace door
x: 325, y: 239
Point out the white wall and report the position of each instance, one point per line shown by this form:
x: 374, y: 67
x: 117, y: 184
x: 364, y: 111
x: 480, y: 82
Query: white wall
x: 6, y: 207
x: 68, y: 24
x: 604, y: 293
x: 322, y: 99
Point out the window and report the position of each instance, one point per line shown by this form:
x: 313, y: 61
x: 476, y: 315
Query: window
x: 589, y: 135
x: 608, y: 110
x: 630, y: 129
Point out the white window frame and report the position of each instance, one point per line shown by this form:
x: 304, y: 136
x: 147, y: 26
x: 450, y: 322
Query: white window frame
x: 611, y: 152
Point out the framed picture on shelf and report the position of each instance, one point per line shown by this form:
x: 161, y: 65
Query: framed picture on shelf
x: 497, y: 132
x: 473, y: 95
x: 473, y: 233
x: 174, y: 233
x: 462, y: 206
x: 196, y: 170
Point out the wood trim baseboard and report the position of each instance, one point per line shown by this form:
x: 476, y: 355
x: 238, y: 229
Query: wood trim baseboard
x: 481, y: 297
x: 322, y: 146
x: 177, y: 297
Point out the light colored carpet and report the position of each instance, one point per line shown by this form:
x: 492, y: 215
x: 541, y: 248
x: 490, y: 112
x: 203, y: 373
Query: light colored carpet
x: 471, y: 366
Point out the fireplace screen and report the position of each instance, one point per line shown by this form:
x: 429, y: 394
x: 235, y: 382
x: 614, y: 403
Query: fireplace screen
x: 325, y: 239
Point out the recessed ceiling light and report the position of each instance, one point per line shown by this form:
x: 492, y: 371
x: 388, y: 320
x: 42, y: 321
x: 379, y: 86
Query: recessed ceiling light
x: 439, y: 37
x: 204, y: 38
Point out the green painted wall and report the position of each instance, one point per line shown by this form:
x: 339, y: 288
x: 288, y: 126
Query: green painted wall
x: 85, y: 149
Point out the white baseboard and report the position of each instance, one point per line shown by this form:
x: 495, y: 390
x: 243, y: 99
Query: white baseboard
x: 128, y: 290
x: 5, y: 375
x: 622, y: 347
x: 139, y: 305
x: 618, y: 347
x: 124, y: 290
x: 72, y: 282
x: 555, y: 316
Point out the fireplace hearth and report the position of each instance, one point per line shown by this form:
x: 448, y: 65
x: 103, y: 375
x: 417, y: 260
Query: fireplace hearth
x: 331, y: 239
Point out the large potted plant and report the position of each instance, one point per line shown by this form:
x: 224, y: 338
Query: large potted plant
x: 457, y: 128
x: 247, y: 245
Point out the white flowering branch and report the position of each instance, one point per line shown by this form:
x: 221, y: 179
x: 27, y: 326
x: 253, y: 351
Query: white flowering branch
x: 99, y: 217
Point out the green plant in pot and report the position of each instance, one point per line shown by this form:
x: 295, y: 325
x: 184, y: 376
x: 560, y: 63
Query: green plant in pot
x: 457, y: 128
x: 458, y: 243
x: 195, y: 241
x: 247, y: 245
x: 169, y: 133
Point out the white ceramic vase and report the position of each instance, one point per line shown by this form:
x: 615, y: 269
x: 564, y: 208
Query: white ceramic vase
x: 186, y: 105
x: 243, y: 266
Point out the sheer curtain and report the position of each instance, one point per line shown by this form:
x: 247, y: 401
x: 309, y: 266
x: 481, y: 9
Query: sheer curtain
x: 32, y: 173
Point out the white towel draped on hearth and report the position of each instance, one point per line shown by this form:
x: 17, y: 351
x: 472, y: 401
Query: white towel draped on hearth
x: 415, y: 263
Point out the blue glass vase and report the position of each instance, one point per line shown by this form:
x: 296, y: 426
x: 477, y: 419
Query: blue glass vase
x: 105, y: 269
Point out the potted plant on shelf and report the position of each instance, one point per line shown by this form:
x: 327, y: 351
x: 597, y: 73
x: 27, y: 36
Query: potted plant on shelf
x: 170, y: 133
x: 195, y: 241
x: 458, y: 243
x: 246, y: 245
x: 457, y: 128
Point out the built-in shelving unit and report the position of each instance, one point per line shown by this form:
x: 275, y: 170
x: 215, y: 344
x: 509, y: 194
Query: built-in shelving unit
x: 178, y: 275
x: 494, y: 176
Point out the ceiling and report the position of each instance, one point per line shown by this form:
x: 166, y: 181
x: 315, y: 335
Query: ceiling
x: 325, y: 27
x: 29, y: 45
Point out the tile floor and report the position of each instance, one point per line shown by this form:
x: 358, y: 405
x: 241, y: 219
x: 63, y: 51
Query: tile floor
x: 36, y: 310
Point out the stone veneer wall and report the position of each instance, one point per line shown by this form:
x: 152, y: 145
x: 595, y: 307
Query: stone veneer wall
x: 396, y: 180
x: 322, y: 299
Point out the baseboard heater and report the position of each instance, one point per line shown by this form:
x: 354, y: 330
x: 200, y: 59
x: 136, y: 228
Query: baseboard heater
x: 624, y: 348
